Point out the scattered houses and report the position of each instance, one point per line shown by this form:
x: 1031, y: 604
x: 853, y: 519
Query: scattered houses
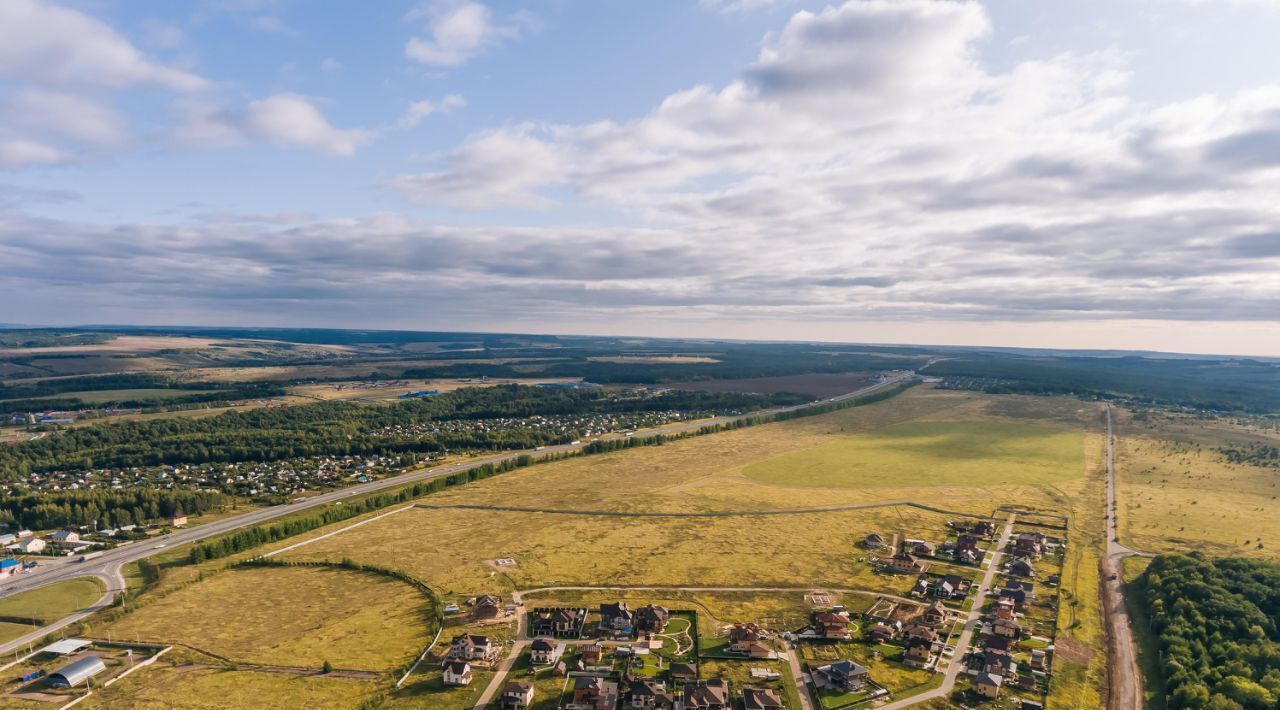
x: 486, y: 608
x: 906, y: 564
x: 831, y: 624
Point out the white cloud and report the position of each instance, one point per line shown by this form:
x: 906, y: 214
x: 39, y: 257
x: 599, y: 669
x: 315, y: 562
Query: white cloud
x: 456, y: 31
x: 289, y: 119
x: 272, y: 25
x: 283, y: 119
x: 20, y: 153
x: 41, y: 41
x: 419, y: 110
x: 162, y: 34
x: 64, y: 116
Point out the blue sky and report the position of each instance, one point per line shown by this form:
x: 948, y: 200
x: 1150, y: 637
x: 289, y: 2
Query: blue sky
x: 1014, y: 172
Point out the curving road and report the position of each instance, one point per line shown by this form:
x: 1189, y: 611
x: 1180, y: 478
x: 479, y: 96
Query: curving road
x: 106, y: 566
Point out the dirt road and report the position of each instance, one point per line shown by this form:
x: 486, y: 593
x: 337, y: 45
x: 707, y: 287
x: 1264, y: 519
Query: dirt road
x: 1125, y: 686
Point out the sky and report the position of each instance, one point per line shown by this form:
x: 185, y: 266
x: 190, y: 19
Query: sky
x: 1090, y: 174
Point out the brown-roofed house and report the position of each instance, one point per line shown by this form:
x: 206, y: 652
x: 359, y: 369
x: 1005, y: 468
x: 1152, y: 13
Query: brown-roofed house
x: 705, y: 695
x: 760, y: 699
x: 517, y: 695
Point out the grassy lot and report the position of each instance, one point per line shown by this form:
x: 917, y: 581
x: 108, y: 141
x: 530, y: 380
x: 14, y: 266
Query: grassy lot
x: 1178, y: 492
x: 932, y: 453
x: 163, y: 686
x: 46, y: 604
x: 290, y: 616
x: 885, y: 669
x: 738, y: 673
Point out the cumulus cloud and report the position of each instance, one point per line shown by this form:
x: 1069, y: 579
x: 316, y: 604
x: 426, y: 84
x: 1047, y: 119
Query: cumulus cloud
x: 868, y: 149
x: 41, y: 41
x: 419, y: 110
x: 456, y: 30
x: 728, y: 6
x: 283, y: 119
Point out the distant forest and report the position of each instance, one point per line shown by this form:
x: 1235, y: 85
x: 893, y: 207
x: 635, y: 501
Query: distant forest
x: 1221, y: 385
x: 1216, y: 624
x: 341, y: 428
x: 43, y: 394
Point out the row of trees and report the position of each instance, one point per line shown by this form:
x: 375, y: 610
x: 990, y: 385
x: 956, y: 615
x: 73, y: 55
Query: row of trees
x: 1216, y: 622
x: 107, y: 508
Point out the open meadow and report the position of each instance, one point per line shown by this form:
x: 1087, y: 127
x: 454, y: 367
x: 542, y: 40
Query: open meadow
x: 1179, y: 492
x: 292, y: 616
x: 46, y: 605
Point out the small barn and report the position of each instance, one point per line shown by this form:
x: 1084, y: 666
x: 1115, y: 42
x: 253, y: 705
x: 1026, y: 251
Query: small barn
x: 77, y: 672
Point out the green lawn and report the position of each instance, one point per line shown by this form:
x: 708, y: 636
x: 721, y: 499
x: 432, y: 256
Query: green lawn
x: 46, y: 604
x: 932, y: 453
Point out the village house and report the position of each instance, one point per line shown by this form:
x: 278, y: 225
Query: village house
x: 831, y: 624
x: 841, y: 675
x: 1018, y: 595
x: 178, y: 520
x: 647, y: 693
x: 457, y: 673
x: 65, y: 538
x: 742, y: 636
x: 517, y: 695
x: 921, y: 587
x: 544, y: 651
x: 486, y: 607
x: 651, y: 619
x: 592, y: 693
x: 1022, y: 568
x: 906, y: 564
x: 470, y: 647
x: 920, y: 548
x: 873, y: 542
x: 995, y: 643
x: 31, y: 546
x: 1039, y: 658
x: 558, y: 623
x: 987, y: 685
x: 705, y: 695
x: 882, y: 633
x: 999, y: 662
x: 1006, y: 608
x: 683, y: 671
x: 968, y: 542
x: 1029, y: 544
x: 918, y: 654
x: 760, y: 699
x: 920, y: 632
x: 1007, y: 628
x: 936, y: 614
x: 615, y: 617
x: 592, y: 653
x: 944, y: 589
x: 970, y: 557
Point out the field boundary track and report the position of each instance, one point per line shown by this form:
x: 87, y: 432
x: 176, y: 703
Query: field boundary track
x: 709, y: 514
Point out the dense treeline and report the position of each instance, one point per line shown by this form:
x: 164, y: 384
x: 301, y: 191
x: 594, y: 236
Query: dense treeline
x: 251, y: 390
x: 107, y: 508
x: 733, y: 362
x: 91, y: 383
x: 47, y: 338
x: 1223, y: 385
x: 341, y: 428
x: 1216, y: 622
x: 250, y: 538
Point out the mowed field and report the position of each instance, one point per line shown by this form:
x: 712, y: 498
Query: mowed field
x: 45, y: 605
x: 201, y: 687
x: 295, y: 616
x: 1178, y: 492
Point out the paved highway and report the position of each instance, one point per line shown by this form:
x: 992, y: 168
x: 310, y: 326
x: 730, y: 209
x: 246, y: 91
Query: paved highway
x: 106, y: 566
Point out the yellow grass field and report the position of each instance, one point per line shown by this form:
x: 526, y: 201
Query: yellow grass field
x: 290, y: 616
x: 164, y: 687
x: 1178, y: 492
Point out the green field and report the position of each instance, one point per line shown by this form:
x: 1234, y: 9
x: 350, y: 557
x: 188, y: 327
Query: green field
x: 46, y: 604
x: 99, y: 396
x: 932, y: 453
